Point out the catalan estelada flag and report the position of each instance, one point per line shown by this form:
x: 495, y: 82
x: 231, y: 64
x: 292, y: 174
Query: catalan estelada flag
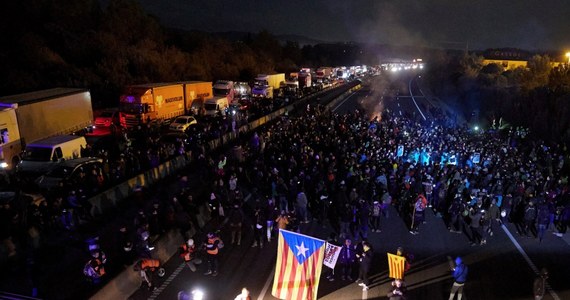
x: 298, y: 266
x: 396, y: 265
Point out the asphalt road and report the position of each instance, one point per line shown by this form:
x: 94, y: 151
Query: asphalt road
x: 504, y: 268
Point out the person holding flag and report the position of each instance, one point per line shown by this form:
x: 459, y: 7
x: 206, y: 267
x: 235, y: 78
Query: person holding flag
x: 298, y: 266
x: 397, y: 264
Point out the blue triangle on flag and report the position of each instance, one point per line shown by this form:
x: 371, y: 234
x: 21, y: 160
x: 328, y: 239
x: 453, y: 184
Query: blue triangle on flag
x: 302, y: 246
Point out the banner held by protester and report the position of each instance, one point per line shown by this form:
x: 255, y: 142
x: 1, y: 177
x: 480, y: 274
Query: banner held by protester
x: 331, y: 255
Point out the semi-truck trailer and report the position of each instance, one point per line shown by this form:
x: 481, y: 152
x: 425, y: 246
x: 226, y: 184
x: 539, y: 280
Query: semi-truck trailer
x: 265, y: 86
x: 29, y: 117
x: 160, y: 102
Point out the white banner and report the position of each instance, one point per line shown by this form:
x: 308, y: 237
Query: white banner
x: 331, y: 255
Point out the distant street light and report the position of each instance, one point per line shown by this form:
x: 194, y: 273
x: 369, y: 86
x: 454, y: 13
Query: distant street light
x: 568, y: 55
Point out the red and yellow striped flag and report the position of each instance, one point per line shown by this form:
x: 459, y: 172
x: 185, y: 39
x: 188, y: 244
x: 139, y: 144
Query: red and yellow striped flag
x: 396, y: 265
x: 298, y: 266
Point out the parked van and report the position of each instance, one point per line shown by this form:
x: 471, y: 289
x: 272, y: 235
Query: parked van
x: 41, y: 156
x: 216, y: 105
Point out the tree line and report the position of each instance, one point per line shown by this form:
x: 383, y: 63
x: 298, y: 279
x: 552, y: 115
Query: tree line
x: 536, y: 96
x: 80, y: 43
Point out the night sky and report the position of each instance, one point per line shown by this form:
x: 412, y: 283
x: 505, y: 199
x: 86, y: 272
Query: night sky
x: 482, y: 24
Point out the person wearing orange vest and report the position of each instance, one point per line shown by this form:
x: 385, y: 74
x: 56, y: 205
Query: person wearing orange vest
x: 147, y: 267
x: 188, y: 254
x: 213, y: 246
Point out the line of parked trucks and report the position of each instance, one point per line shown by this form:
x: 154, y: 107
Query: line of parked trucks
x: 42, y: 121
x: 33, y: 121
x: 159, y: 102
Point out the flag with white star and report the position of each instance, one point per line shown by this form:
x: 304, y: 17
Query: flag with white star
x: 298, y: 266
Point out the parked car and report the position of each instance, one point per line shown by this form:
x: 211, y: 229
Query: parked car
x: 68, y: 171
x: 182, y: 122
x: 107, y: 117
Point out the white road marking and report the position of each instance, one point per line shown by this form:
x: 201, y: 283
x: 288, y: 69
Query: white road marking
x: 340, y: 104
x: 414, y: 100
x: 529, y: 262
x: 159, y: 290
x: 266, y: 286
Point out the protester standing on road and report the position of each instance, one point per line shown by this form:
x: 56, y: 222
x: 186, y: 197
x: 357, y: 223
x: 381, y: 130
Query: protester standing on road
x: 259, y: 222
x: 542, y: 219
x: 456, y: 222
x: 460, y: 276
x: 475, y: 215
x: 365, y: 259
x: 418, y: 215
x: 346, y: 259
x: 375, y: 216
x: 213, y: 246
x: 529, y: 218
x: 302, y: 207
x: 492, y: 215
x: 282, y: 220
x: 271, y: 213
x: 236, y: 218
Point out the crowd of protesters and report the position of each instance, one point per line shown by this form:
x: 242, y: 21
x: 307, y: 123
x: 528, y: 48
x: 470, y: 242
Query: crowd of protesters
x: 34, y: 218
x: 346, y: 170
